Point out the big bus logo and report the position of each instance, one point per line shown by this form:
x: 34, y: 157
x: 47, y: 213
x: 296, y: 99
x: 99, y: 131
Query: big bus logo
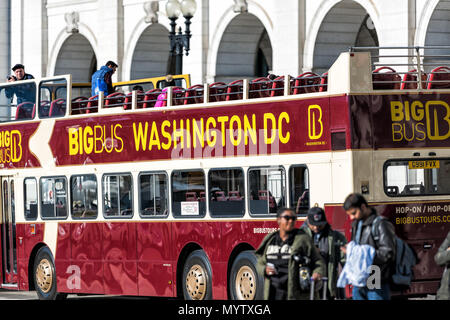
x: 10, y: 146
x: 315, y: 124
x: 417, y: 121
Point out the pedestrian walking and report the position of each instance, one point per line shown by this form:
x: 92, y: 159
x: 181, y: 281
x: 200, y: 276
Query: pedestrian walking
x: 363, y: 217
x: 329, y: 243
x: 281, y: 256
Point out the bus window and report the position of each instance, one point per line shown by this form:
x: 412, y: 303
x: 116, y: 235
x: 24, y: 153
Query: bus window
x: 53, y: 198
x: 188, y: 193
x: 52, y: 98
x: 83, y: 194
x: 118, y: 196
x: 154, y: 194
x: 226, y: 192
x: 266, y: 190
x: 31, y: 199
x: 412, y: 177
x: 299, y: 189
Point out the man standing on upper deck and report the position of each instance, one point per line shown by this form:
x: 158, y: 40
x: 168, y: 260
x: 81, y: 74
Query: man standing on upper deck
x: 23, y: 93
x: 102, y: 79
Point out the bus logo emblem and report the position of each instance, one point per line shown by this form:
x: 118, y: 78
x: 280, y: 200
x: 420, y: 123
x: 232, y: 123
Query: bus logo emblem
x: 315, y: 124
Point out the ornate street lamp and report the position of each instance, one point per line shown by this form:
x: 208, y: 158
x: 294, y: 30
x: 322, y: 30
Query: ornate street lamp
x: 180, y: 41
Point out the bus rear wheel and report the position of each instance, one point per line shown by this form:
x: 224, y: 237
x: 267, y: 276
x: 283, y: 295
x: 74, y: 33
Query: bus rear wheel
x: 245, y: 283
x: 45, y: 277
x: 196, y: 281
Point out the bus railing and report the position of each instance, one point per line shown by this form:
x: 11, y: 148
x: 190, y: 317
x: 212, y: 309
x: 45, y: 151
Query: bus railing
x: 413, y: 67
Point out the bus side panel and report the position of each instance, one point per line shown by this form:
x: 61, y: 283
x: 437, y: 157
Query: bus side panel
x: 120, y: 258
x: 31, y: 234
x: 424, y: 226
x: 154, y: 252
x: 207, y: 236
x: 86, y: 250
x: 338, y: 220
x: 64, y: 272
x: 235, y: 233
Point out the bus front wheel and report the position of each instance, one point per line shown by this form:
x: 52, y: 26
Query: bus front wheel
x: 197, y: 283
x: 245, y: 283
x: 45, y: 277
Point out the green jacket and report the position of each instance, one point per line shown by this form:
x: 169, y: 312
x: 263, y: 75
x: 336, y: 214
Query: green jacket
x: 442, y: 258
x: 335, y: 241
x: 302, y: 245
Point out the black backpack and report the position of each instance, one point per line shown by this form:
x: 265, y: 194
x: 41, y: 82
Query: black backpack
x: 404, y: 261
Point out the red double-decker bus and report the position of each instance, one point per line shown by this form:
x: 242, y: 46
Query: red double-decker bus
x: 114, y: 195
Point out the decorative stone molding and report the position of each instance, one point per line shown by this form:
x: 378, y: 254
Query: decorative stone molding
x: 240, y: 6
x: 72, y: 20
x: 151, y: 11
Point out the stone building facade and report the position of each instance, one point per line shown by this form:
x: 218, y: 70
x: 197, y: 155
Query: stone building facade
x: 231, y: 39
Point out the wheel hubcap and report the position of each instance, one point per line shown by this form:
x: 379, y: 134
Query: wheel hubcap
x: 245, y: 283
x: 196, y: 282
x: 44, y: 275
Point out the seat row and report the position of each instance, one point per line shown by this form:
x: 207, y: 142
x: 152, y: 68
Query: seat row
x: 383, y: 78
x: 386, y: 78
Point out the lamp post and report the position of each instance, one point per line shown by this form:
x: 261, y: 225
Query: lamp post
x: 180, y: 41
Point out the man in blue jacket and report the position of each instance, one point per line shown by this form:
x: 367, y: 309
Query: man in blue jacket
x: 102, y: 79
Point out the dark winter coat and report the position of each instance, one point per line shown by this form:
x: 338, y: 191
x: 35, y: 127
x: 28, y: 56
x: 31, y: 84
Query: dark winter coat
x: 302, y: 246
x: 335, y: 256
x: 384, y: 247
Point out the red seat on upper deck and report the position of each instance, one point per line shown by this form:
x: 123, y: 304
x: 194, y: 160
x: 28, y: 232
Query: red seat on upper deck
x: 439, y: 78
x: 57, y: 108
x: 127, y: 105
x: 278, y: 87
x: 259, y: 88
x: 306, y: 83
x: 235, y: 90
x: 194, y: 94
x: 389, y: 80
x: 25, y: 110
x: 409, y: 80
x: 116, y: 99
x: 217, y: 91
x: 92, y: 106
x: 150, y: 98
x: 178, y: 98
x: 44, y: 109
x: 79, y: 105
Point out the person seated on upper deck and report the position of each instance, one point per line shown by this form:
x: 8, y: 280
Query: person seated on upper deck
x: 24, y: 93
x: 168, y: 82
x: 138, y: 88
x: 102, y: 79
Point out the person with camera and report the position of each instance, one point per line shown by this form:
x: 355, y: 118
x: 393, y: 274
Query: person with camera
x: 329, y: 243
x: 281, y: 256
x: 24, y: 93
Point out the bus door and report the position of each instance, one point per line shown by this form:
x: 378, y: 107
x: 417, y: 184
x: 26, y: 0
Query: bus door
x: 8, y: 232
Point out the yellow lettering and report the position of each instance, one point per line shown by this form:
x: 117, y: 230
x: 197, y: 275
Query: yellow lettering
x: 237, y: 120
x: 154, y: 137
x: 140, y: 136
x: 167, y: 135
x: 269, y: 117
x: 283, y: 138
x: 250, y: 129
x: 73, y: 141
x: 397, y: 111
x: 211, y: 122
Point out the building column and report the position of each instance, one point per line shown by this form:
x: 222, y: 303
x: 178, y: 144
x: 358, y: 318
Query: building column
x: 5, y: 39
x: 111, y: 34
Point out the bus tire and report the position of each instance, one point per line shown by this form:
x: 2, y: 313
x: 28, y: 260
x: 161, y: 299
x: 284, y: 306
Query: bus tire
x: 44, y: 276
x: 245, y: 283
x: 197, y: 277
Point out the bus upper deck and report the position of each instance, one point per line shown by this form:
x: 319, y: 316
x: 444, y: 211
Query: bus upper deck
x: 353, y: 73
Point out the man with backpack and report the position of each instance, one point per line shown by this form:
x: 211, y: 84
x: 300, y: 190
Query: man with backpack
x: 102, y: 79
x: 363, y: 218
